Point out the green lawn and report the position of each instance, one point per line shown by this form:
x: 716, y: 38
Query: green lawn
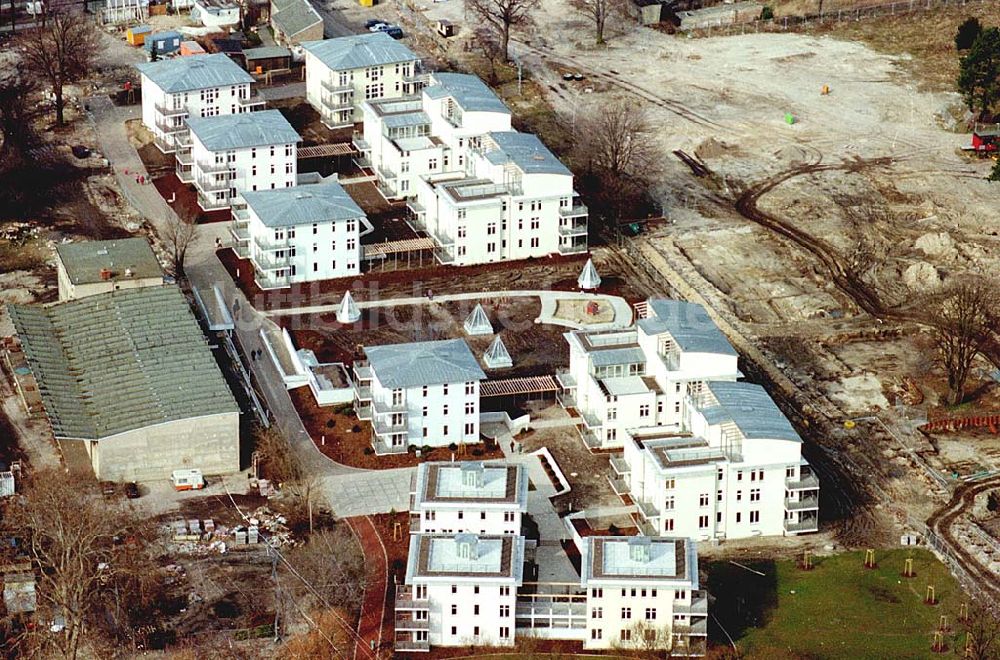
x: 837, y: 610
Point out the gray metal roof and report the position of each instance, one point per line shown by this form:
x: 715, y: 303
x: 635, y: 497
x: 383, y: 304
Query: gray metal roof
x: 182, y: 74
x: 286, y: 207
x: 249, y: 129
x: 293, y: 16
x: 406, y: 119
x: 605, y: 358
x: 468, y: 91
x: 359, y: 50
x: 266, y: 52
x: 84, y: 260
x: 119, y: 361
x: 751, y: 409
x: 526, y: 151
x: 424, y: 363
x: 689, y: 325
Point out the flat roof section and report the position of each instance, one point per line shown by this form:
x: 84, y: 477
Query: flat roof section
x: 465, y: 555
x: 636, y: 557
x: 84, y: 261
x: 471, y: 481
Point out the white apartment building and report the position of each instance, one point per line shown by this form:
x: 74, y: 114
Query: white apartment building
x: 300, y: 234
x: 468, y: 496
x: 621, y: 380
x: 461, y: 589
x: 642, y: 593
x: 733, y: 470
x: 344, y: 72
x: 515, y: 200
x: 196, y: 86
x: 232, y: 154
x: 409, y: 138
x: 422, y: 393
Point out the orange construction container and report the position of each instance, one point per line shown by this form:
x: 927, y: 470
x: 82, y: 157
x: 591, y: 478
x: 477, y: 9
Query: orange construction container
x: 137, y: 35
x: 191, y: 48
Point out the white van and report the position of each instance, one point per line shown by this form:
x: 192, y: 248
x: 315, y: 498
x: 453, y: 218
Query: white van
x: 187, y: 479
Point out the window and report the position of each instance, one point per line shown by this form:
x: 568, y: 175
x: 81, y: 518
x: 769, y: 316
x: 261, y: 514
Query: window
x: 597, y: 593
x: 482, y: 515
x: 432, y: 163
x: 703, y: 499
x: 288, y: 150
x: 644, y: 410
x: 754, y: 517
x: 668, y: 525
x: 739, y: 475
x: 739, y: 495
x: 668, y: 504
x: 475, y: 610
x: 612, y: 413
x: 650, y: 614
x: 597, y: 613
x: 633, y: 593
x: 454, y: 610
x: 373, y: 72
x: 596, y: 633
x: 475, y: 589
x: 755, y: 494
x: 535, y: 242
x: 454, y: 630
x: 626, y: 635
x: 288, y: 170
x: 508, y: 516
x: 462, y: 232
x: 424, y: 411
x: 444, y: 389
x: 470, y: 408
x: 444, y: 409
x: 504, y: 632
x: 491, y: 247
x: 454, y: 588
x: 760, y: 475
x: 669, y: 484
x: 461, y: 515
x: 491, y: 228
x: 425, y: 390
x: 470, y: 388
x: 653, y: 593
x: 677, y: 407
x: 702, y: 522
x: 430, y: 515
x: 535, y: 224
x: 718, y: 516
x: 738, y: 516
x: 504, y: 591
x: 374, y: 91
x: 626, y: 612
x: 470, y: 428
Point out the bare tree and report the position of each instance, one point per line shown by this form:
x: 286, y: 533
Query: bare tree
x: 488, y: 44
x: 333, y: 565
x: 60, y: 51
x: 178, y: 235
x: 326, y: 638
x: 616, y: 147
x: 982, y: 632
x: 963, y: 319
x: 16, y: 113
x: 73, y: 538
x: 502, y: 16
x: 599, y: 12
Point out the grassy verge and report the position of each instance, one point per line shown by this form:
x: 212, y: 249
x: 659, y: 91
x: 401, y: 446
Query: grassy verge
x: 837, y: 610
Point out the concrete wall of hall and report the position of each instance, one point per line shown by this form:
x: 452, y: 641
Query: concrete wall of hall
x: 210, y: 444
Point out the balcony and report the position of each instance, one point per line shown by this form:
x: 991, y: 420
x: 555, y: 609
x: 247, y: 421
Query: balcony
x: 803, y: 503
x: 385, y: 174
x: 574, y: 211
x: 272, y: 280
x: 252, y: 101
x: 698, y: 606
x: 802, y: 526
x: 573, y: 228
x: 698, y: 628
x: 382, y: 447
x: 363, y: 393
x: 386, y: 408
x: 213, y: 183
x: 334, y: 88
x: 648, y: 511
x: 359, y: 142
x: 804, y: 482
x: 619, y: 466
x: 405, y: 623
x: 184, y: 157
x: 572, y: 245
x: 412, y: 646
x: 268, y: 243
x: 363, y: 410
x: 591, y: 421
x: 239, y: 231
x: 170, y: 125
x: 168, y: 110
x: 618, y: 484
x: 272, y: 260
x: 590, y: 438
x: 406, y: 601
x: 388, y: 428
x: 184, y: 172
x: 209, y: 202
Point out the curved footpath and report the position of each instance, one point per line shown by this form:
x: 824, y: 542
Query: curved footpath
x: 375, y: 629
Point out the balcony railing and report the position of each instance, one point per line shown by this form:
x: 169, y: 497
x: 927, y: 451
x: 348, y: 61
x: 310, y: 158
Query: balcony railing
x: 382, y: 447
x: 169, y: 111
x: 412, y: 646
x: 698, y: 628
x: 210, y: 202
x: 801, y: 503
x: 250, y: 101
x: 359, y: 141
x: 573, y: 228
x: 272, y: 260
x: 184, y: 157
x: 619, y: 484
x: 404, y: 623
x: 335, y: 88
x: 168, y: 125
x: 807, y: 525
x: 268, y: 243
x: 648, y: 511
x: 386, y: 408
x: 272, y: 280
x: 572, y: 247
x: 213, y: 184
x: 806, y: 482
x: 698, y: 606
x: 573, y: 211
x: 619, y: 465
x: 388, y: 428
x: 239, y: 232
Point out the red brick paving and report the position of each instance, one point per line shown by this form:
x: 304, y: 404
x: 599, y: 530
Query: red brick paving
x: 375, y: 627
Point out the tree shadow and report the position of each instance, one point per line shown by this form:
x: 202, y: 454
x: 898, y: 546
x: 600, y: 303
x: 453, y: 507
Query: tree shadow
x: 743, y: 599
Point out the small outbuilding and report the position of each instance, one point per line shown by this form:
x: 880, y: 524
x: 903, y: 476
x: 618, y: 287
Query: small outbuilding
x: 87, y: 268
x: 136, y: 36
x: 267, y: 58
x: 165, y: 43
x: 191, y: 48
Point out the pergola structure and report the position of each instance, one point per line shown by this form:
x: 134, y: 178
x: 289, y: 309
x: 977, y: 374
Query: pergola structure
x: 411, y: 248
x: 327, y: 150
x: 518, y: 386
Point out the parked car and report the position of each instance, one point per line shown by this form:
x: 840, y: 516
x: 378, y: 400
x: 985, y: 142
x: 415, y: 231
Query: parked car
x: 372, y: 22
x: 132, y: 490
x: 380, y: 26
x: 108, y: 488
x: 395, y: 32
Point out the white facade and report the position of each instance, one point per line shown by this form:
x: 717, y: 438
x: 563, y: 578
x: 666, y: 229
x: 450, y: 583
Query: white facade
x: 344, y: 72
x: 196, y: 86
x: 643, y: 593
x: 216, y: 13
x: 413, y: 137
x: 451, y: 498
x: 634, y: 378
x: 230, y: 155
x: 300, y: 234
x: 424, y: 393
x: 514, y: 200
x: 703, y: 456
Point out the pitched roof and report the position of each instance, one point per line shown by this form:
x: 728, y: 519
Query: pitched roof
x: 84, y: 260
x: 266, y: 52
x: 468, y: 91
x: 497, y: 356
x: 359, y: 50
x: 526, y: 151
x: 348, y: 311
x: 424, y: 363
x: 589, y: 279
x: 120, y: 361
x: 288, y: 207
x: 688, y: 324
x: 248, y: 129
x: 293, y: 16
x: 749, y: 407
x: 182, y: 74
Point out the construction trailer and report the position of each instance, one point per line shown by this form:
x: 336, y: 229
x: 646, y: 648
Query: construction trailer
x: 137, y: 34
x: 165, y: 43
